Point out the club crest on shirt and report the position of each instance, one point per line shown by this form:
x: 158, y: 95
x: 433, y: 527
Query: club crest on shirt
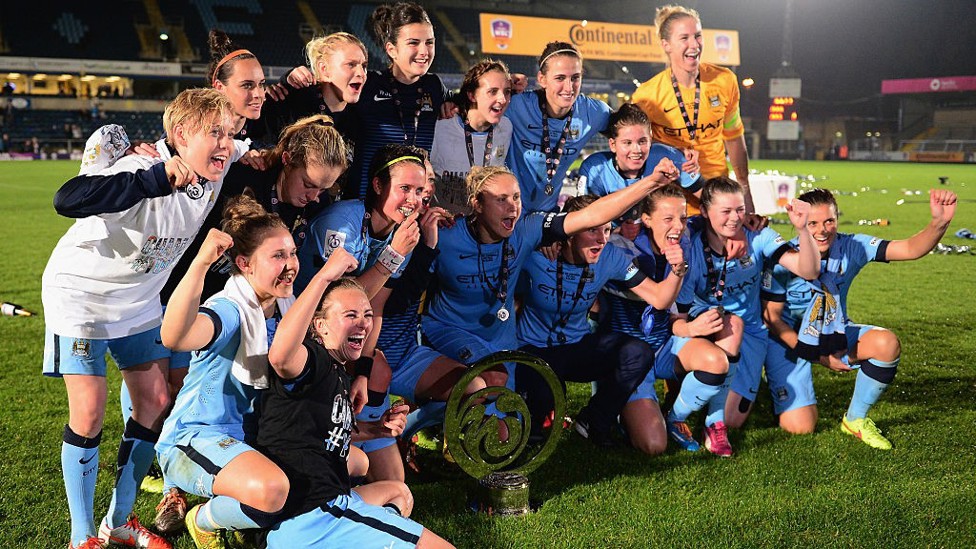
x: 713, y: 101
x: 427, y: 104
x: 746, y: 261
x: 333, y: 241
x: 575, y: 130
x: 227, y: 442
x: 500, y: 152
x: 81, y: 348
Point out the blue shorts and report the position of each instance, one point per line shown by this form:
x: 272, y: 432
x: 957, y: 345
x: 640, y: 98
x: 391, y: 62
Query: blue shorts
x: 665, y: 359
x: 79, y: 356
x: 790, y: 377
x: 747, y: 375
x: 461, y: 345
x: 407, y: 373
x: 346, y: 521
x: 179, y: 360
x: 194, y: 461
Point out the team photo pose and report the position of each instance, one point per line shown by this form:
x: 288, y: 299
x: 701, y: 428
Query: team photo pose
x: 401, y: 103
x: 633, y: 155
x: 481, y: 257
x: 553, y: 323
x: 809, y: 320
x: 380, y: 232
x: 551, y: 126
x: 309, y: 401
x: 719, y: 298
x: 101, y: 294
x: 698, y: 367
x: 206, y: 444
x: 479, y: 135
x: 695, y: 105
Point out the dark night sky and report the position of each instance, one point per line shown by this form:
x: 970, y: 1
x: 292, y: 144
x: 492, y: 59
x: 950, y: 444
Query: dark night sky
x: 842, y: 49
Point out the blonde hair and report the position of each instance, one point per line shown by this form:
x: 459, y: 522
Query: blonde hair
x: 669, y: 14
x: 479, y: 176
x: 324, y: 47
x: 195, y: 109
x: 310, y: 140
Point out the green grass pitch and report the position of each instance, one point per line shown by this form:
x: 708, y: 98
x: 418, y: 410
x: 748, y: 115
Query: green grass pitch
x: 822, y: 490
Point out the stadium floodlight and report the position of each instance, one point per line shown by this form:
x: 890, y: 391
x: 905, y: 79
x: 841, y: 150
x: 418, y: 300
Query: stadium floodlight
x: 163, y: 36
x: 748, y: 82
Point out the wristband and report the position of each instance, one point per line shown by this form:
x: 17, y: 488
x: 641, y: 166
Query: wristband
x: 391, y: 259
x: 680, y: 270
x: 363, y: 367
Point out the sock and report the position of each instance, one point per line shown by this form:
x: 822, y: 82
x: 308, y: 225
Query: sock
x: 125, y: 399
x: 716, y: 404
x: 376, y: 406
x: 873, y: 378
x: 228, y: 513
x: 79, y: 467
x: 429, y: 414
x: 136, y: 453
x: 696, y: 390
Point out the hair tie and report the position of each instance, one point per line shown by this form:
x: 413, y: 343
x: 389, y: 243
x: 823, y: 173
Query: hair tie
x: 398, y: 159
x: 557, y: 52
x: 227, y: 58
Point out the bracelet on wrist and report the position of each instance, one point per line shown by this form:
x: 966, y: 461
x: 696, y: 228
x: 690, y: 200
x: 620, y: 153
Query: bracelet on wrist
x: 680, y: 269
x: 390, y: 259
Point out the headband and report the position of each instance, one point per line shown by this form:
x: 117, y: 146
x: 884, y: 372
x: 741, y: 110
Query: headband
x: 399, y: 159
x: 557, y: 52
x: 228, y: 57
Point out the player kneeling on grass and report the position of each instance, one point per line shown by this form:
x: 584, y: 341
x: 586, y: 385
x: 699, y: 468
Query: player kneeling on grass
x: 808, y: 320
x: 101, y: 294
x: 309, y: 401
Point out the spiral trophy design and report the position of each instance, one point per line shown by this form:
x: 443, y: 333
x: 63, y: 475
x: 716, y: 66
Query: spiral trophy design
x: 477, y: 445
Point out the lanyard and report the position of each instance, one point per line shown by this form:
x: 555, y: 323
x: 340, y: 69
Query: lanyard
x: 552, y: 156
x: 500, y: 291
x: 713, y: 278
x: 691, y: 125
x: 299, y: 226
x: 422, y: 98
x: 563, y: 320
x: 468, y: 130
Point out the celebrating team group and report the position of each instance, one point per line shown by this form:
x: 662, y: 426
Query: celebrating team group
x: 289, y: 256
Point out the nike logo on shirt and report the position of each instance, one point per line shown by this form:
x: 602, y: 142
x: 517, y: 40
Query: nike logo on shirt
x: 669, y: 110
x: 378, y: 98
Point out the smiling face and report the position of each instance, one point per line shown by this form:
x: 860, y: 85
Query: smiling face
x: 630, y: 148
x: 413, y: 52
x: 498, y: 207
x: 684, y: 46
x: 206, y: 150
x: 561, y: 81
x: 667, y: 221
x: 489, y: 101
x: 404, y: 194
x: 347, y: 320
x: 300, y: 185
x: 725, y: 214
x: 822, y: 224
x: 272, y: 267
x: 344, y: 72
x: 244, y: 88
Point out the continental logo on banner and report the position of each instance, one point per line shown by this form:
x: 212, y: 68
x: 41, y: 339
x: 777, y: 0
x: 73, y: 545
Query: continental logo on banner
x: 519, y: 35
x: 932, y: 156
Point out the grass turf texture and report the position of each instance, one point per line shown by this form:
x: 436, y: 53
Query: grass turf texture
x: 826, y: 489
